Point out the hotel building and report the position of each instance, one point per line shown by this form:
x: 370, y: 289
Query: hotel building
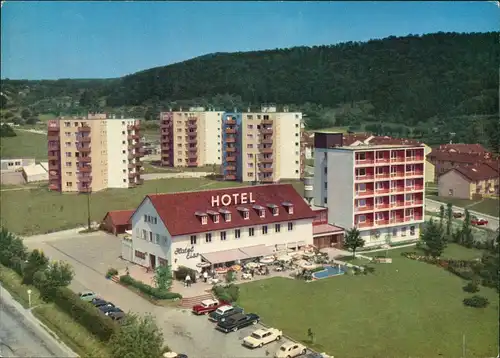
x: 190, y: 138
x: 222, y: 226
x: 93, y: 153
x: 377, y: 188
x: 262, y: 146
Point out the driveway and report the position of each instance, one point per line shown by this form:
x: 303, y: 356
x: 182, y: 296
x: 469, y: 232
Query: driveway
x: 91, y: 255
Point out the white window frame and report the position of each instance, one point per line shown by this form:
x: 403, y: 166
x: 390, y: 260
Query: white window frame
x: 361, y: 218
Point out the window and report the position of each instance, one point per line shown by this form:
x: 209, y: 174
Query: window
x: 380, y: 171
x: 264, y: 230
x: 262, y: 213
x: 140, y: 255
x: 394, y: 232
x: 157, y: 238
x: 361, y: 187
x: 223, y: 236
x: 246, y: 215
x: 70, y: 184
x: 412, y: 230
x: 144, y: 234
x: 326, y: 185
x: 275, y: 211
x: 216, y: 218
x: 227, y: 217
x: 151, y: 236
x: 250, y: 126
x: 203, y: 220
x: 361, y: 172
x: 380, y: 155
x: 403, y: 231
x: 277, y: 227
x: 68, y: 154
x: 379, y: 216
x: 325, y: 170
x: 249, y: 146
x: 290, y: 226
x: 237, y: 233
x: 249, y: 156
x: 325, y: 200
x: 361, y: 202
x: 362, y: 156
x: 193, y: 239
x: 379, y: 200
x: 296, y: 144
x: 251, y: 231
x: 361, y: 218
x: 208, y: 237
x: 249, y: 136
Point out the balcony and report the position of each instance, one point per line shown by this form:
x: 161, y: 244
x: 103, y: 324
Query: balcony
x: 54, y: 187
x: 52, y: 138
x: 84, y: 129
x: 413, y: 218
x: 267, y: 150
x: 131, y: 165
x: 361, y: 162
x: 165, y: 146
x: 139, y: 153
x: 396, y: 220
x: 266, y: 169
x: 397, y: 204
x: 414, y: 159
x: 230, y: 177
x: 382, y: 176
x: 364, y: 177
x: 54, y: 177
x: 54, y: 166
x: 193, y: 149
x: 266, y: 160
x: 380, y: 161
x: 84, y: 139
x: 364, y: 224
x: 192, y: 126
x: 85, y: 169
x: 397, y: 159
x: 192, y: 156
x: 85, y: 178
x: 414, y: 188
x: 396, y: 175
x: 53, y: 157
x: 363, y: 208
x: 192, y: 164
x: 192, y: 140
x: 230, y: 168
x: 83, y: 149
x: 415, y: 174
x: 382, y: 206
x: 398, y: 189
x: 165, y: 123
x: 138, y: 145
x: 364, y: 193
x: 134, y: 127
x: 84, y: 159
x: 414, y: 203
x: 230, y: 131
x: 230, y: 122
x: 381, y: 191
x: 230, y: 149
x: 265, y: 131
x: 132, y: 175
x: 267, y: 122
x: 138, y: 164
x: 230, y: 159
x: 267, y: 141
x: 230, y: 140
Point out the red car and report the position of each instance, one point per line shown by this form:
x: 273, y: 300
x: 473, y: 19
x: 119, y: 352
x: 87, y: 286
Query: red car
x: 479, y: 222
x: 207, y: 306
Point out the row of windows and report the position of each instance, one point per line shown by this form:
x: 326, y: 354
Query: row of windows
x: 237, y: 233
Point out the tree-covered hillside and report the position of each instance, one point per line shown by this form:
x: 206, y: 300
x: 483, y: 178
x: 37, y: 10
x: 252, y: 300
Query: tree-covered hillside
x: 433, y: 81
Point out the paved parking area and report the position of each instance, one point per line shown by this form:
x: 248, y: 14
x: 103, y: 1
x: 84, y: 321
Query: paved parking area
x: 92, y: 254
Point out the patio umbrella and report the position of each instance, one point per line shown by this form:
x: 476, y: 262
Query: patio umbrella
x: 252, y: 265
x: 267, y: 260
x: 203, y: 264
x: 285, y: 258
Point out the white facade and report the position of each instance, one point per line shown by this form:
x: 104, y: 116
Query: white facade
x: 288, y: 144
x: 16, y: 164
x: 212, y: 144
x: 117, y: 150
x: 35, y: 173
x: 152, y: 240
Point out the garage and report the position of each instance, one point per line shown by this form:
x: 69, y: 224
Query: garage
x: 117, y: 221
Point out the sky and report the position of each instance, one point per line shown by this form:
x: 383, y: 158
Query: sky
x: 51, y: 40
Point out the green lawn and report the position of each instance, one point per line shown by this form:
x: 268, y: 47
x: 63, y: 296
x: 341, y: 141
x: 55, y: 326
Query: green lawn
x: 149, y: 168
x: 35, y: 211
x: 489, y: 206
x: 407, y: 308
x: 24, y: 145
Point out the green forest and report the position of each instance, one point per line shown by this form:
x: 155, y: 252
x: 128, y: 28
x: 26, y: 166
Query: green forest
x: 435, y: 87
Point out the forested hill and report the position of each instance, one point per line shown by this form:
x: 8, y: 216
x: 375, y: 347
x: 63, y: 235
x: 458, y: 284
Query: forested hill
x: 398, y: 79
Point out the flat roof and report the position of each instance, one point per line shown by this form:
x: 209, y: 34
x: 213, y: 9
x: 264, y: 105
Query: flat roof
x: 375, y: 146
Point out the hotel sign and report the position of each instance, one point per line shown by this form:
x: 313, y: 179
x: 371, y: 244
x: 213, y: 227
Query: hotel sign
x: 190, y: 254
x: 232, y: 199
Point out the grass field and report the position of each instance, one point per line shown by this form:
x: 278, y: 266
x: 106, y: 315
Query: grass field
x: 24, y: 145
x: 489, y: 206
x: 149, y: 168
x: 72, y: 333
x: 404, y: 309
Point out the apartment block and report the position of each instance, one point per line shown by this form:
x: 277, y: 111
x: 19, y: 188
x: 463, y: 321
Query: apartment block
x: 93, y: 153
x: 262, y: 146
x: 377, y: 188
x: 191, y: 138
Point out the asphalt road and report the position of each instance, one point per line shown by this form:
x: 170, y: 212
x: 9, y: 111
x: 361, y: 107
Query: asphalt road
x: 20, y: 336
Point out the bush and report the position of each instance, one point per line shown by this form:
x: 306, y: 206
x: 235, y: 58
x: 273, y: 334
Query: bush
x: 229, y: 293
x: 317, y: 269
x: 471, y: 287
x: 476, y: 302
x: 85, y: 314
x: 148, y: 290
x: 368, y: 269
x: 183, y: 271
x: 111, y: 272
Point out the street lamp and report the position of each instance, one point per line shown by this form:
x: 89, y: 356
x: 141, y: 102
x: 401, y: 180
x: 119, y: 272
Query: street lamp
x: 29, y: 298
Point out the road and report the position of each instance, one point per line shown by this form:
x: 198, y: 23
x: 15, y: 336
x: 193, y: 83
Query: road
x: 183, y: 332
x: 493, y: 223
x: 21, y: 336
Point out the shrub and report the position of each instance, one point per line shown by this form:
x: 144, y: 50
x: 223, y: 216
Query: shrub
x: 368, y: 269
x: 148, y: 290
x: 229, y: 293
x: 183, y: 271
x: 476, y: 302
x: 111, y: 272
x: 85, y: 314
x: 471, y: 287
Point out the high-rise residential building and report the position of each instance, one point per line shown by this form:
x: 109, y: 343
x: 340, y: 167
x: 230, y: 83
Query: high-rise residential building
x: 377, y: 188
x: 190, y: 138
x: 93, y: 153
x: 262, y: 146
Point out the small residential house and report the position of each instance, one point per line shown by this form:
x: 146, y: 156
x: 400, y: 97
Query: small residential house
x: 470, y: 181
x: 117, y: 221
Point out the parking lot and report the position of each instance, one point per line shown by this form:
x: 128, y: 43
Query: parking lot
x: 92, y: 254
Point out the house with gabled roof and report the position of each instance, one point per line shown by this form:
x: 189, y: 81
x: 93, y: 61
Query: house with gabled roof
x: 469, y: 181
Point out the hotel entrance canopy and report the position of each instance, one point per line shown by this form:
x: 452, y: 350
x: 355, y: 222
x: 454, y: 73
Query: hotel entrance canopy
x: 244, y: 253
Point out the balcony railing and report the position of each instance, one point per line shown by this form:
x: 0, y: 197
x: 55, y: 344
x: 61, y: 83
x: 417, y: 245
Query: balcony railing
x: 381, y: 191
x: 85, y: 169
x: 397, y: 159
x: 85, y: 139
x: 192, y: 140
x: 414, y: 188
x: 364, y: 161
x: 53, y: 138
x: 266, y: 160
x: 267, y: 141
x: 52, y: 157
x: 192, y: 164
x: 84, y: 129
x: 382, y: 160
x: 382, y: 176
x: 84, y: 159
x: 53, y: 176
x: 131, y: 174
x: 415, y: 174
x: 230, y: 177
x: 413, y: 218
x: 192, y: 155
x: 230, y: 131
x: 396, y: 220
x: 83, y: 149
x: 397, y: 189
x: 266, y: 169
x: 230, y: 167
x: 267, y: 150
x: 230, y: 140
x: 230, y: 159
x: 364, y: 224
x: 264, y: 131
x: 133, y: 127
x: 381, y: 222
x: 397, y: 175
x: 85, y: 178
x: 397, y: 204
x: 267, y: 180
x: 363, y: 208
x: 192, y: 126
x: 139, y: 153
x: 364, y: 193
x: 138, y: 145
x: 230, y: 149
x: 414, y: 159
x: 382, y: 206
x: 414, y: 202
x: 364, y: 177
x: 230, y: 122
x: 54, y: 166
x: 267, y: 122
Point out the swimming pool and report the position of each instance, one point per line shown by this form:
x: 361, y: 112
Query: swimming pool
x: 328, y: 271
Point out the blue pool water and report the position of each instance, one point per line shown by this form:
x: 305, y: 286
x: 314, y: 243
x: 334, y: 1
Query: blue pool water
x: 328, y: 271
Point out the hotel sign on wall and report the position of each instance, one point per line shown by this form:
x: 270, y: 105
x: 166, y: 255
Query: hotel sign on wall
x: 232, y: 199
x: 190, y: 254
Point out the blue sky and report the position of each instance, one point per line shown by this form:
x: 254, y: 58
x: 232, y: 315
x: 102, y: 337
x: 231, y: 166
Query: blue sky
x: 50, y: 40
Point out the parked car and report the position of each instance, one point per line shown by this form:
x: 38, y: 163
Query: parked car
x: 221, y: 313
x: 207, y: 306
x: 87, y: 295
x: 457, y: 214
x: 290, y: 350
x: 261, y: 337
x: 97, y: 302
x: 107, y: 307
x: 479, y: 222
x: 115, y: 315
x: 174, y: 355
x: 237, y: 321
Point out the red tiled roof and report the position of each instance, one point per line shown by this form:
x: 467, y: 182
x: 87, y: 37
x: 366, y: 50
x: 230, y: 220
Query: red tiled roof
x: 119, y: 217
x: 349, y: 139
x: 463, y: 148
x: 326, y: 228
x: 178, y: 211
x: 469, y: 158
x: 477, y: 172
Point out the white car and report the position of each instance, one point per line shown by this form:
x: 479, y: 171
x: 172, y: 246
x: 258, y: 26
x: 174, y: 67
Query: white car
x: 290, y: 350
x: 261, y: 337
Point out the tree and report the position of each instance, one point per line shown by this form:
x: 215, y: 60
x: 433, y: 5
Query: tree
x: 56, y: 274
x: 449, y: 218
x: 7, y: 131
x: 89, y: 101
x: 138, y: 337
x: 163, y: 277
x: 433, y: 237
x: 353, y: 240
x: 36, y: 261
x: 466, y: 236
x: 12, y: 250
x: 25, y: 114
x: 441, y: 215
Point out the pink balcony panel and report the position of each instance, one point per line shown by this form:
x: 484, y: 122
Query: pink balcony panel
x: 364, y: 208
x: 364, y: 193
x: 365, y: 224
x: 364, y: 177
x: 382, y: 222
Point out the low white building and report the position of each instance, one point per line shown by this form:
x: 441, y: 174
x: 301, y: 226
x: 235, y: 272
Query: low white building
x: 15, y: 164
x: 34, y: 173
x: 218, y: 226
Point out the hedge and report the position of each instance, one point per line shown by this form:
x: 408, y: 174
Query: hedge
x: 153, y: 292
x: 85, y: 313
